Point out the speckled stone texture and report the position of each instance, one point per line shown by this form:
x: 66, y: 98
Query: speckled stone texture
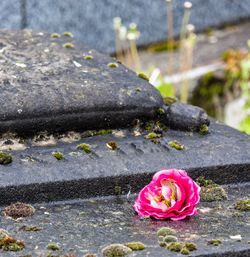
x: 86, y: 226
x: 45, y: 86
x: 91, y: 21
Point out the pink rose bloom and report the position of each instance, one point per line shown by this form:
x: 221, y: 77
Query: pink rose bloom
x: 171, y: 194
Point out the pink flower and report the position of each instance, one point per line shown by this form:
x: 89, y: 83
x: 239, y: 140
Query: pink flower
x: 171, y: 194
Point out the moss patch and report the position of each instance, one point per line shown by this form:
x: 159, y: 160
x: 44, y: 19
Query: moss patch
x: 242, y: 205
x: 214, y: 242
x: 116, y: 250
x: 19, y: 210
x: 143, y: 76
x: 176, y: 145
x: 165, y: 231
x: 53, y: 246
x: 55, y: 35
x: 135, y: 246
x: 204, y: 129
x: 67, y: 34
x: 68, y: 45
x: 30, y: 228
x: 113, y: 65
x: 84, y: 147
x: 5, y: 158
x: 58, y: 155
x: 88, y: 57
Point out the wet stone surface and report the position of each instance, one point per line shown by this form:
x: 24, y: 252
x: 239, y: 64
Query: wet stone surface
x: 89, y: 225
x: 47, y: 83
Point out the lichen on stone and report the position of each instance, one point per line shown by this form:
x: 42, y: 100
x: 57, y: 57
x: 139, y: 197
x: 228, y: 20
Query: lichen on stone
x: 116, y: 250
x: 152, y: 135
x: 68, y: 45
x: 55, y: 35
x: 143, y: 76
x: 176, y: 145
x: 175, y: 246
x: 214, y: 242
x: 19, y: 210
x: 136, y: 246
x: 169, y: 100
x: 112, y: 145
x: 84, y: 147
x: 242, y: 204
x: 113, y: 65
x: 88, y: 57
x: 165, y: 231
x: 53, y: 246
x: 5, y: 158
x: 67, y: 34
x: 58, y: 155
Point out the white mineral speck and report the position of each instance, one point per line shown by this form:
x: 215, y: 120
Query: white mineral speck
x: 19, y: 111
x: 22, y: 65
x: 77, y: 64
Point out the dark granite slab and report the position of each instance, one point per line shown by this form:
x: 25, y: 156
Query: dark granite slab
x: 45, y: 86
x: 86, y: 226
x: 35, y: 175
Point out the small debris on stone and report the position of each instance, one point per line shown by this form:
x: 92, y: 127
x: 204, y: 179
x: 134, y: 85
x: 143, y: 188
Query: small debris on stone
x: 112, y: 145
x: 30, y: 228
x: 236, y: 237
x: 19, y: 210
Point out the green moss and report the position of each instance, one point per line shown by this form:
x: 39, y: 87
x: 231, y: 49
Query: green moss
x: 103, y: 132
x: 165, y: 231
x: 58, y: 155
x: 143, y: 76
x: 214, y: 242
x: 169, y: 100
x: 67, y: 34
x: 176, y: 145
x: 170, y: 238
x: 30, y: 228
x: 112, y: 145
x: 204, y: 129
x: 156, y: 127
x: 191, y: 246
x: 53, y: 246
x: 248, y: 242
x: 152, y: 135
x: 68, y: 45
x: 84, y: 147
x: 170, y: 45
x: 88, y: 57
x: 5, y: 158
x: 55, y: 35
x: 201, y: 181
x: 185, y: 251
x: 162, y: 244
x: 135, y: 246
x: 89, y: 255
x: 116, y: 250
x: 213, y: 193
x: 113, y: 65
x: 175, y: 247
x: 242, y: 205
x: 160, y: 111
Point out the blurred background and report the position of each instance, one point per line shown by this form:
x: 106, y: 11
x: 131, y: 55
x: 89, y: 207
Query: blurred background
x: 195, y: 51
